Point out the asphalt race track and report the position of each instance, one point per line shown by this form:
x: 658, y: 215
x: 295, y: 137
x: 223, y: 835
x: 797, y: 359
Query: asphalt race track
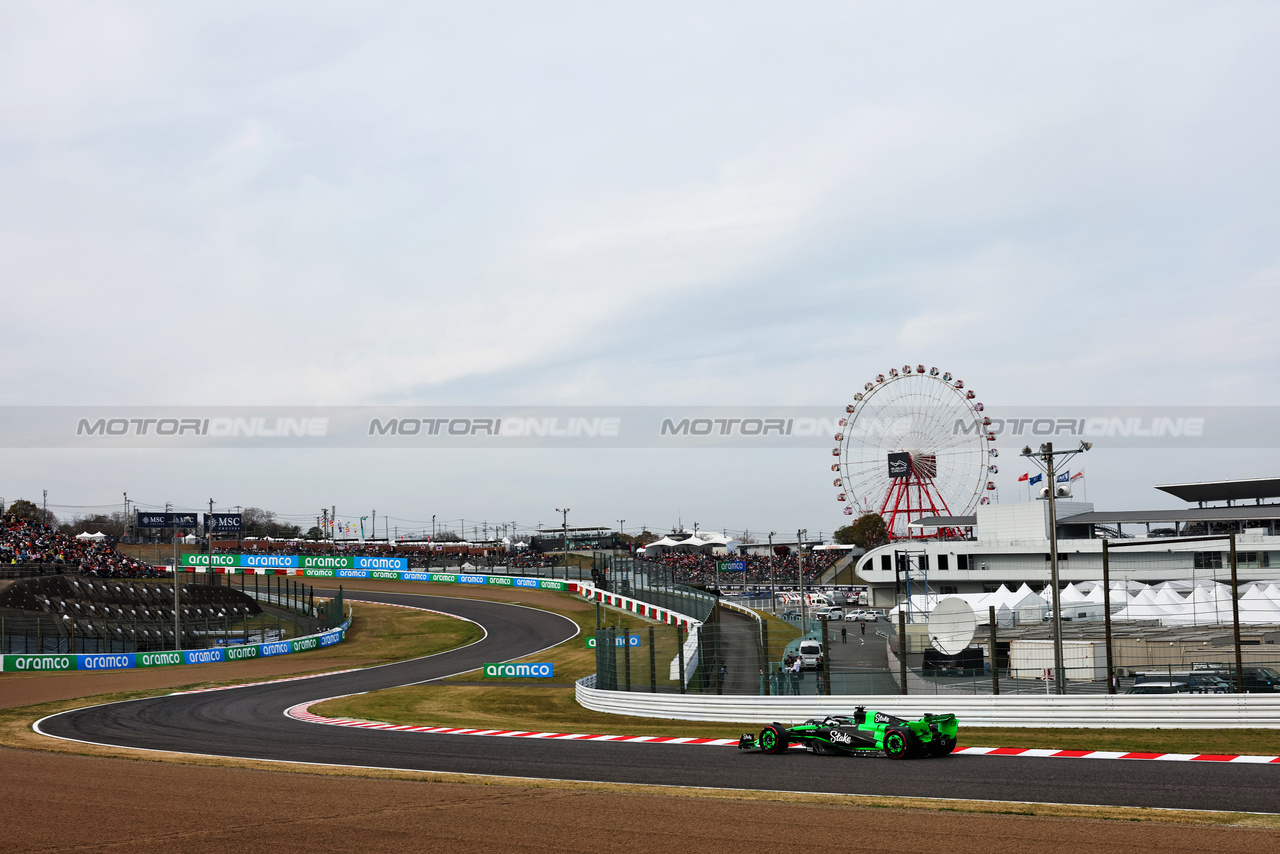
x: 250, y: 722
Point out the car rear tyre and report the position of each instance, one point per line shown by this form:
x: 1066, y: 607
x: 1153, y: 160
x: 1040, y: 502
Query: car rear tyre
x: 899, y: 743
x: 773, y: 739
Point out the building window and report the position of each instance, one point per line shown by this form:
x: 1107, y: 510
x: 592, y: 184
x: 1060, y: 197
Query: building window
x: 1208, y: 560
x: 948, y: 589
x: 942, y: 562
x: 886, y: 563
x: 990, y: 588
x: 962, y: 562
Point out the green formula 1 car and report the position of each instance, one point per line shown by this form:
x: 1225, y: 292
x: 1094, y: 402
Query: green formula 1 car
x: 863, y: 732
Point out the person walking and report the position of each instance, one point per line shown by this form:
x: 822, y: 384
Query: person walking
x: 864, y: 626
x: 844, y: 635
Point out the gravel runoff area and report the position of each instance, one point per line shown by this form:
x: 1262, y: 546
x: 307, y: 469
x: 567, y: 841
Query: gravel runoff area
x: 60, y: 802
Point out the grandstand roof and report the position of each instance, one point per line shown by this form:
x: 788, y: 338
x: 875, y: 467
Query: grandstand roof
x: 1194, y: 514
x: 944, y: 522
x: 1248, y: 489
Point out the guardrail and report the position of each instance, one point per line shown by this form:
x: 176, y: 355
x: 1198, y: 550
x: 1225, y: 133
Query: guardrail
x: 44, y: 662
x: 1176, y: 711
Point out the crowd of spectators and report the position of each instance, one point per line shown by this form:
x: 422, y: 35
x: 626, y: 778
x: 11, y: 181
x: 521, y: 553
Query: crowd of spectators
x: 698, y: 568
x: 26, y: 541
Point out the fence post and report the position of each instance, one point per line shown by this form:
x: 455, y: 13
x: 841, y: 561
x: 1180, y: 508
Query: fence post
x: 902, y: 648
x: 995, y: 671
x: 626, y: 656
x: 826, y: 657
x: 653, y: 663
x: 680, y: 652
x: 1235, y: 617
x: 764, y: 656
x: 1106, y: 612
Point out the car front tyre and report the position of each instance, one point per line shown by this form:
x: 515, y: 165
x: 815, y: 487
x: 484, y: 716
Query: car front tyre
x: 773, y: 739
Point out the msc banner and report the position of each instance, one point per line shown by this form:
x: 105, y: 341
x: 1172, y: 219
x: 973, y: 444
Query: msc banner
x: 222, y: 523
x: 168, y: 520
x: 519, y: 671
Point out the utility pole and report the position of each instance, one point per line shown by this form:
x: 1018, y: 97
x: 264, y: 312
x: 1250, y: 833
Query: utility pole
x: 804, y: 605
x: 45, y: 517
x: 177, y: 599
x: 565, y: 523
x: 773, y: 585
x: 374, y: 529
x: 208, y: 537
x: 1046, y: 459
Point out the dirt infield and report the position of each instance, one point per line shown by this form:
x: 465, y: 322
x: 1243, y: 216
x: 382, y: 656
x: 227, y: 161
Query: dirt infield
x: 56, y: 802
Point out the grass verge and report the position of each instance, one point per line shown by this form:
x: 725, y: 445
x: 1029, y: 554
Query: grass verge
x: 543, y: 706
x: 379, y: 634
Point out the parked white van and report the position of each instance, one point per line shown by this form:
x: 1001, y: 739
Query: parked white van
x: 810, y: 654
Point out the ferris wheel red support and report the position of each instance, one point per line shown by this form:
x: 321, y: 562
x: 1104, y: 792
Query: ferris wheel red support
x: 913, y: 497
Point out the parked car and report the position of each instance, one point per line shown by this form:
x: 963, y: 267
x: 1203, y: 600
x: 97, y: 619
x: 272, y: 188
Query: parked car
x: 1160, y: 688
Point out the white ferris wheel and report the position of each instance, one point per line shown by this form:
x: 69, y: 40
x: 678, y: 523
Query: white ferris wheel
x: 914, y: 443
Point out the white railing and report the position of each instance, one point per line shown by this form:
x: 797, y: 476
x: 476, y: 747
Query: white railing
x: 1183, y: 711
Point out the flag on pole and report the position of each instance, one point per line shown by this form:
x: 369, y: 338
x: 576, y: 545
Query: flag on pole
x: 1077, y: 476
x: 1036, y: 479
x: 1065, y: 477
x: 1025, y: 475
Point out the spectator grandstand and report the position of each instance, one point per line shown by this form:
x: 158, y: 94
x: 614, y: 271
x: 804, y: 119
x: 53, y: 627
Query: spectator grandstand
x: 700, y: 569
x: 26, y: 541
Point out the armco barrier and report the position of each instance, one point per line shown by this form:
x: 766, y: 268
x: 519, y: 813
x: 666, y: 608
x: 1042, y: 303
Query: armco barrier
x: 1177, y: 711
x: 131, y: 660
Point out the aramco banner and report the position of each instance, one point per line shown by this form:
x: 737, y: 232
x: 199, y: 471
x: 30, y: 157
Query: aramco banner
x: 543, y: 670
x: 42, y: 663
x: 279, y: 561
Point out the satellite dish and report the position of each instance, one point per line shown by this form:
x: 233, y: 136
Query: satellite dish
x: 951, y: 626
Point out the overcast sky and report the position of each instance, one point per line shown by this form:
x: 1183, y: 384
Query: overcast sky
x: 583, y: 203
